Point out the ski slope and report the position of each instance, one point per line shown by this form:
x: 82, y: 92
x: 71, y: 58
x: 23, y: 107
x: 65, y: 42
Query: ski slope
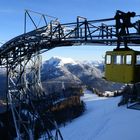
x: 103, y: 120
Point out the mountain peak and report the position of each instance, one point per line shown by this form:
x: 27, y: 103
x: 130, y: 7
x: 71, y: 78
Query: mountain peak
x: 60, y: 61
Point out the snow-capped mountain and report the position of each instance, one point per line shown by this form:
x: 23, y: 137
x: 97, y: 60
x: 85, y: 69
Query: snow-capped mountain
x: 55, y: 69
x: 58, y: 70
x: 60, y: 61
x: 57, y: 66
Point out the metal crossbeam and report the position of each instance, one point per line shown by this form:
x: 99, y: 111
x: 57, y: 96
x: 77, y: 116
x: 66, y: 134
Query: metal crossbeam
x: 54, y: 34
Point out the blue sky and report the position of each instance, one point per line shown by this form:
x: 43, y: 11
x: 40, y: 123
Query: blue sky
x: 12, y: 17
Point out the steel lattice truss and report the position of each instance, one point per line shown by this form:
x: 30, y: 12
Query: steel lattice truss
x: 21, y: 57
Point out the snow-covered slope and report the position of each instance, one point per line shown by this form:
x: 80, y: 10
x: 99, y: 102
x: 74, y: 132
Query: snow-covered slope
x: 103, y: 120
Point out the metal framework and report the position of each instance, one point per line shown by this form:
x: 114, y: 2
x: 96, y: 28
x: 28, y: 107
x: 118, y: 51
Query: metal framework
x: 21, y: 56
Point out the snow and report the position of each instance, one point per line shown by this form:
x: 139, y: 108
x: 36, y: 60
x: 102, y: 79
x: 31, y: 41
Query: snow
x: 103, y: 120
x: 108, y: 93
x: 95, y: 63
x: 60, y: 61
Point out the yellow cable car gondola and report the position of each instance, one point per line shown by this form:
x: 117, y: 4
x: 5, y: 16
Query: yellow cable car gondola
x: 122, y: 66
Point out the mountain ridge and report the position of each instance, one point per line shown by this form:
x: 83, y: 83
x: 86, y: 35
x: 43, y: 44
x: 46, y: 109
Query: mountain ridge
x: 60, y: 69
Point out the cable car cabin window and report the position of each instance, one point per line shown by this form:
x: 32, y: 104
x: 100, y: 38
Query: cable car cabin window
x: 118, y: 59
x: 129, y: 59
x: 108, y: 59
x: 137, y: 59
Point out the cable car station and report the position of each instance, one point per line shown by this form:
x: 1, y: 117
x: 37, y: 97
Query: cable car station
x: 123, y: 66
x: 123, y: 63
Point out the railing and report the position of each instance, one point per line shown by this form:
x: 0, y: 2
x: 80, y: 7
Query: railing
x: 54, y: 34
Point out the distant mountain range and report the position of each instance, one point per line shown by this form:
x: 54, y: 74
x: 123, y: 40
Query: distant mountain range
x: 66, y: 70
x: 58, y: 73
